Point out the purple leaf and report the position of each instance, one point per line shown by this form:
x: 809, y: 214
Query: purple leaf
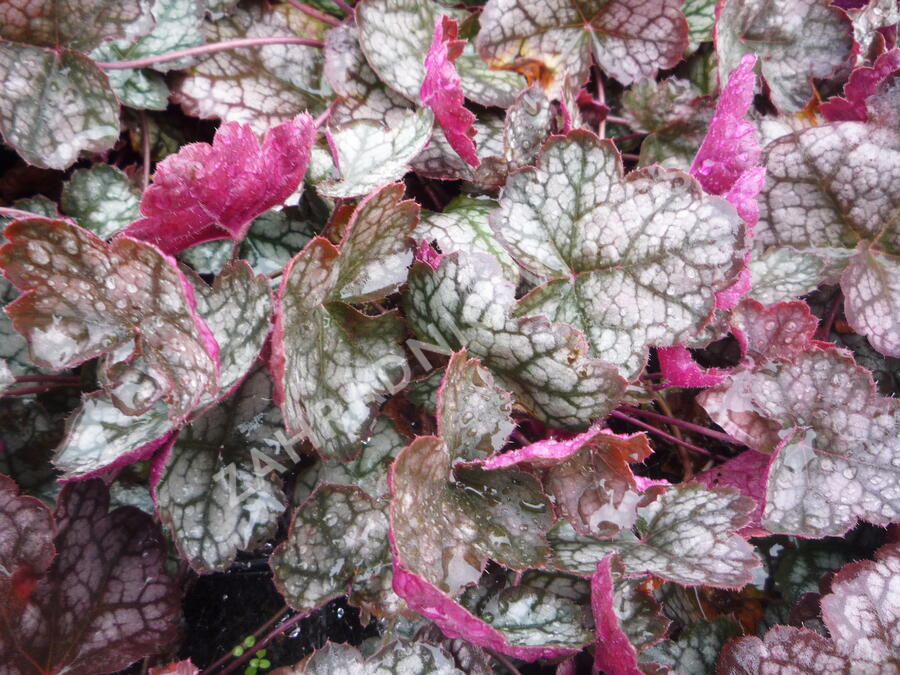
x: 862, y: 84
x: 779, y: 332
x: 208, y: 192
x: 442, y: 90
x: 785, y: 649
x: 84, y: 298
x: 103, y: 603
x: 614, y: 653
x: 862, y: 612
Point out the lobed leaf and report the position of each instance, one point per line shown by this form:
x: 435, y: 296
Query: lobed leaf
x: 338, y: 538
x: 473, y: 414
x: 862, y: 84
x: 104, y: 602
x: 394, y: 659
x: 599, y: 237
x: 785, y: 648
x: 84, y: 298
x: 260, y: 86
x: 836, y: 441
x: 369, y: 155
x: 78, y: 24
x: 466, y: 302
x: 208, y: 192
x: 55, y: 104
x: 211, y: 496
x: 463, y: 226
x: 862, y: 612
x: 442, y: 90
x: 527, y: 127
x: 614, y: 652
x: 686, y: 536
x: 101, y: 199
x: 445, y: 527
x: 556, y: 38
x: 395, y: 36
x: 795, y: 42
x: 330, y: 391
x: 836, y: 187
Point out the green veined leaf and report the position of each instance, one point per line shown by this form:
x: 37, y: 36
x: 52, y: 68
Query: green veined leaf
x: 101, y: 199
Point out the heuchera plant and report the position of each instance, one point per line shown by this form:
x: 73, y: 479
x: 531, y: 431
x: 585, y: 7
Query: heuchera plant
x: 539, y: 331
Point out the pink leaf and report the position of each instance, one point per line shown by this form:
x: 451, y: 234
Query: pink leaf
x: 208, y: 192
x: 749, y: 473
x: 730, y: 147
x: 442, y: 90
x: 777, y: 332
x: 615, y: 654
x: 680, y: 370
x: 862, y: 83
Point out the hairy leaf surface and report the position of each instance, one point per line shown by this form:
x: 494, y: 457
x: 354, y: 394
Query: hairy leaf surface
x: 208, y: 192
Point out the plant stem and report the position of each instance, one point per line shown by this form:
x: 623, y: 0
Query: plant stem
x: 505, y: 662
x: 686, y: 464
x: 314, y: 13
x: 26, y: 391
x: 690, y: 426
x: 348, y: 9
x: 145, y: 148
x: 617, y: 120
x: 227, y: 655
x: 57, y: 379
x: 824, y: 329
x: 210, y: 49
x: 659, y: 432
x: 628, y: 137
x: 631, y: 156
x: 278, y: 630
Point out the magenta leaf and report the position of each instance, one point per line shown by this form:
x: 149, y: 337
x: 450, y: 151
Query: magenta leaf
x: 730, y: 147
x: 103, y: 603
x: 442, y: 90
x: 84, y: 298
x: 615, y: 652
x: 748, y: 472
x: 779, y: 332
x: 208, y: 192
x: 862, y: 84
